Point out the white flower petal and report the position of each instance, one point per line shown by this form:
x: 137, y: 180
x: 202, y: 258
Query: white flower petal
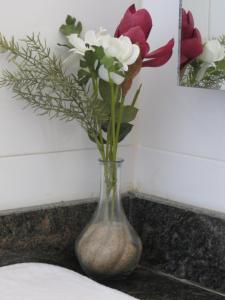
x: 101, y: 34
x: 78, y: 43
x: 103, y: 73
x: 202, y: 71
x: 104, y: 41
x: 213, y: 51
x: 115, y: 48
x: 117, y: 79
x: 72, y: 38
x: 125, y: 67
x: 91, y: 38
x: 127, y: 48
x: 134, y: 56
x: 120, y: 48
x: 72, y: 63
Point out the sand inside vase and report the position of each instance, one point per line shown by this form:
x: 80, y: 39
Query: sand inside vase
x: 108, y: 249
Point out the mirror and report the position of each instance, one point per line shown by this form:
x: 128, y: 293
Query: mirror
x: 202, y: 44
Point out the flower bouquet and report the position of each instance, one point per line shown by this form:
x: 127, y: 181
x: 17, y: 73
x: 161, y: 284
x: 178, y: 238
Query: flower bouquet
x: 202, y: 64
x: 95, y: 95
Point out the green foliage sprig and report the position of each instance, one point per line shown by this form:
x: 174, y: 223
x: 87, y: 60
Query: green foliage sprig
x: 71, y: 26
x: 40, y: 80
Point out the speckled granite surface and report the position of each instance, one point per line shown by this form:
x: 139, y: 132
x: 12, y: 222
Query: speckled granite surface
x: 183, y: 242
x: 186, y: 243
x: 147, y: 285
x: 43, y: 234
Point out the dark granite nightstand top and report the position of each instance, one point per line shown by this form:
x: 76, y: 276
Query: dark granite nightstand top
x: 185, y: 243
x: 145, y: 284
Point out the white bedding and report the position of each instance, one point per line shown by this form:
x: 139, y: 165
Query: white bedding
x: 35, y: 281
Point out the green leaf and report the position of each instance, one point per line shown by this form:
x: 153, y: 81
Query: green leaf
x: 129, y: 113
x: 101, y: 110
x: 91, y: 137
x: 82, y: 73
x: 125, y: 129
x: 108, y: 63
x: 70, y: 20
x: 79, y: 28
x: 68, y: 29
x: 104, y: 89
x: 84, y: 81
x: 104, y: 126
x: 70, y: 26
x: 136, y: 95
x: 221, y: 65
x: 90, y: 58
x: 83, y: 64
x: 99, y: 51
x: 83, y: 76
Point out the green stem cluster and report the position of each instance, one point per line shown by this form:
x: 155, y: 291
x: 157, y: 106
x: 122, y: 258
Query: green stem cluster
x: 108, y: 146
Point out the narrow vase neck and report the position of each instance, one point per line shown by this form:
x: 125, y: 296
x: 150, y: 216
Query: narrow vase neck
x: 110, y: 192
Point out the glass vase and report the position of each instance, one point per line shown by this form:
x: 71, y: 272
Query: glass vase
x: 109, y: 247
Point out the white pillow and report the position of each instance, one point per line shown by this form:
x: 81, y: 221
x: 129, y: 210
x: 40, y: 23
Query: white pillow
x: 35, y: 281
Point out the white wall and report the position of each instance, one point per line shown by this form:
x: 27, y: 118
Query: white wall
x: 208, y: 16
x: 181, y: 152
x: 44, y: 161
x: 181, y: 136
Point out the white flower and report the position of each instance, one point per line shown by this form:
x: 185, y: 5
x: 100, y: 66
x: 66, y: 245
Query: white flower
x: 120, y: 48
x: 204, y: 67
x: 116, y: 78
x: 213, y: 51
x: 72, y: 63
x: 91, y: 38
x: 81, y: 46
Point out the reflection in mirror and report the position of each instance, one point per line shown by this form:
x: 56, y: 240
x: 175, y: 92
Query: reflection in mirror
x: 202, y: 44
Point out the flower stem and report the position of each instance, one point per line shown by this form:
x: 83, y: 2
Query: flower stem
x: 113, y: 119
x: 119, y: 121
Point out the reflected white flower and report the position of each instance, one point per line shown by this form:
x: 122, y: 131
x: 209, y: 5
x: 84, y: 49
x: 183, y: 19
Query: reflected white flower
x: 213, y: 51
x: 204, y: 67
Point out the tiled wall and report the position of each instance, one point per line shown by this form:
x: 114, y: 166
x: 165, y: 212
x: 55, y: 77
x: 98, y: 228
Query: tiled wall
x: 180, y: 146
x: 209, y: 15
x: 182, y: 130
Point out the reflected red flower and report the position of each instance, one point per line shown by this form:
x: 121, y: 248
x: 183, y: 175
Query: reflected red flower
x: 191, y: 41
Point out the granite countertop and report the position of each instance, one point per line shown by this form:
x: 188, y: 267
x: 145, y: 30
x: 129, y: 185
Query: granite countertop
x: 145, y: 284
x: 186, y: 243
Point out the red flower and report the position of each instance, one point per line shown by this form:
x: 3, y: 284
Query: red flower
x: 137, y: 24
x: 191, y: 41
